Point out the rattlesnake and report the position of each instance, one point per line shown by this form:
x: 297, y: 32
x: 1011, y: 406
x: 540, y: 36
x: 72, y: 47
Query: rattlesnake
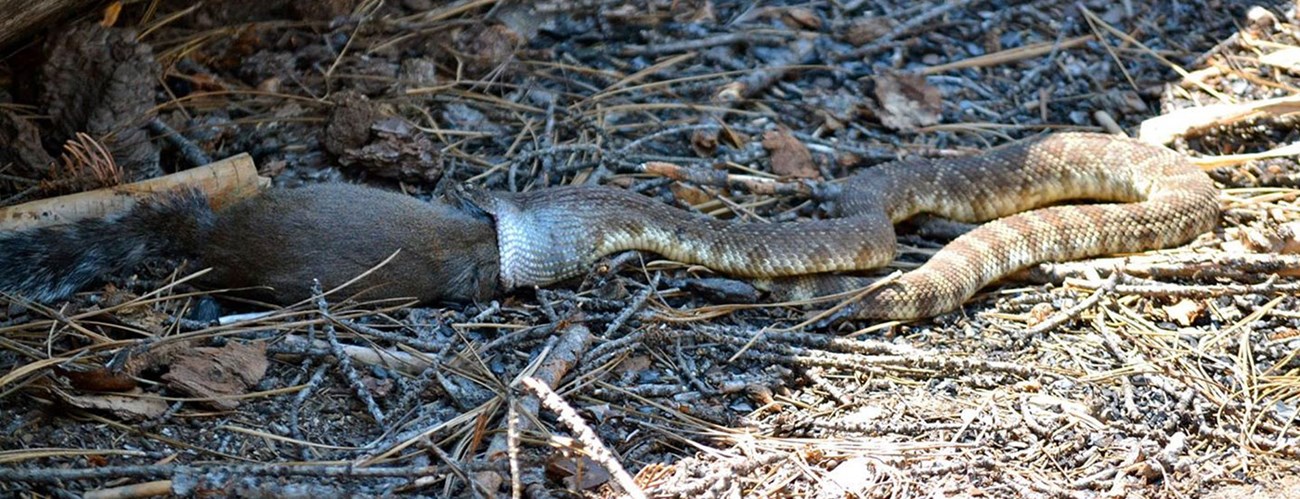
x: 1158, y: 197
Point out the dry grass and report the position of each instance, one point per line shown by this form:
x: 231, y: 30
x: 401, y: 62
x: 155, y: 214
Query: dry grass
x: 1175, y: 378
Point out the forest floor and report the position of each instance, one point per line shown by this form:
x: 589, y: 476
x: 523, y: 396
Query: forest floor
x: 1172, y: 373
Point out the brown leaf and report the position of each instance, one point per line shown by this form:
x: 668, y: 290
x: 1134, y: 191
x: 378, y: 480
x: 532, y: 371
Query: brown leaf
x: 218, y: 373
x: 96, y: 379
x: 704, y: 142
x: 867, y: 30
x: 1040, y: 313
x: 111, y: 12
x: 691, y: 195
x: 635, y: 363
x: 907, y: 101
x: 801, y: 18
x: 582, y: 473
x: 789, y: 156
x: 123, y: 406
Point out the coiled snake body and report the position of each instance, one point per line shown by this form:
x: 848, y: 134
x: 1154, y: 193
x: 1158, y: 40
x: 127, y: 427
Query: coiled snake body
x: 1159, y: 200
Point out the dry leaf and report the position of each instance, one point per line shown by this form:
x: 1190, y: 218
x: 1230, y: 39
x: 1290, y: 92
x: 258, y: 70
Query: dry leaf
x: 789, y: 156
x: 122, y: 406
x: 97, y: 379
x: 111, y: 12
x: 704, y: 142
x: 218, y: 373
x: 691, y: 195
x: 582, y: 473
x: 867, y: 30
x: 852, y: 478
x: 1040, y: 313
x: 1185, y: 312
x: 906, y: 101
x: 635, y: 363
x: 801, y: 18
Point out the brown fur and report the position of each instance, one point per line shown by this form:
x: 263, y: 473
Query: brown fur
x: 276, y: 243
x: 334, y: 232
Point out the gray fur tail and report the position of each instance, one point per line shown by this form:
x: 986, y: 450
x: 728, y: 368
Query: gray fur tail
x: 50, y: 263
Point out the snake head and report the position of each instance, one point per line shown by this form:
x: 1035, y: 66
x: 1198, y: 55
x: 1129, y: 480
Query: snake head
x: 472, y: 199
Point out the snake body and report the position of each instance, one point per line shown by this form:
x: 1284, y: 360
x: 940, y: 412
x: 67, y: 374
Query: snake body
x: 1156, y: 198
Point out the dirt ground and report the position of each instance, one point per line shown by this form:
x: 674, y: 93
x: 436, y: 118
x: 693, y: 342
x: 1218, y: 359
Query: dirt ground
x: 1166, y: 374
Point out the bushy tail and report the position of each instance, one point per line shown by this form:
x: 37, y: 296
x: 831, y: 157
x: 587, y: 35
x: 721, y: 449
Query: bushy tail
x: 50, y: 263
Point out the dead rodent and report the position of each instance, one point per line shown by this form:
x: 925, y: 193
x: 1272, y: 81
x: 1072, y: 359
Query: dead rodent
x: 276, y: 243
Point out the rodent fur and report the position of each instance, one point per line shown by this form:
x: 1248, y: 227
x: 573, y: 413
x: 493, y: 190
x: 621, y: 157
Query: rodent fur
x: 274, y: 244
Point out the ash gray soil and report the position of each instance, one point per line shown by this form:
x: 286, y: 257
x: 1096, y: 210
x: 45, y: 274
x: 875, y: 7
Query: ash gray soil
x: 1176, y: 378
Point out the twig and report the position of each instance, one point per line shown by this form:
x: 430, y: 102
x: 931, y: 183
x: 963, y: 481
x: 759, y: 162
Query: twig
x: 900, y: 30
x: 638, y: 301
x: 512, y: 443
x: 295, y: 410
x: 590, y: 441
x: 56, y: 475
x: 573, y: 343
x: 748, y: 37
x: 345, y: 361
x: 1062, y: 317
x: 411, y: 363
x: 188, y: 149
x: 718, y: 178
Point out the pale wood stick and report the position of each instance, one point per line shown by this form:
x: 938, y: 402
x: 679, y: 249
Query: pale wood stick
x: 224, y: 182
x: 1163, y: 129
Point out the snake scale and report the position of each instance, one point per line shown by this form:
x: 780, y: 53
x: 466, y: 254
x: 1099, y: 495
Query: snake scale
x: 1156, y: 198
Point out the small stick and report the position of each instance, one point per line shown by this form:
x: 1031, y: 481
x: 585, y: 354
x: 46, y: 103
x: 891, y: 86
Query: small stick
x: 345, y: 362
x: 573, y: 343
x: 1061, y: 317
x: 191, y: 152
x: 146, y: 489
x: 513, y: 421
x: 716, y: 178
x: 224, y: 182
x: 590, y: 441
x: 900, y: 30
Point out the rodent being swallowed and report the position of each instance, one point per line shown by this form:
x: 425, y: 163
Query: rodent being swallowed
x: 275, y: 243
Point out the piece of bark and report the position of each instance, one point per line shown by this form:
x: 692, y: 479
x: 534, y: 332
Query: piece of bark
x: 219, y: 375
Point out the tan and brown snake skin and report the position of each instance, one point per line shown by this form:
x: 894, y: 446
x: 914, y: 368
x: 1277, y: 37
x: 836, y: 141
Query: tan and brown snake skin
x: 1160, y: 198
